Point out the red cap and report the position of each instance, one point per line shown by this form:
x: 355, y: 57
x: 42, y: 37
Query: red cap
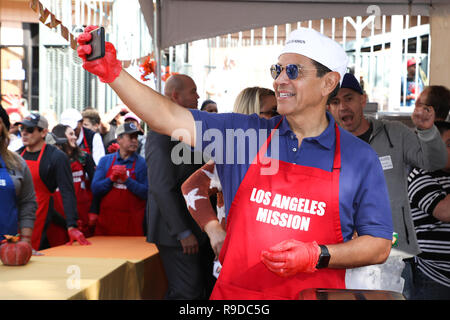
x: 411, y: 62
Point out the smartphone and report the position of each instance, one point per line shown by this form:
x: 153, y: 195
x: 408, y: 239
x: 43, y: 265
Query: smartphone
x: 97, y: 43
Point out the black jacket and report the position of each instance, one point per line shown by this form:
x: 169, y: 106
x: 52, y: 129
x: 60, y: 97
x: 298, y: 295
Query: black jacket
x: 167, y: 214
x: 55, y: 172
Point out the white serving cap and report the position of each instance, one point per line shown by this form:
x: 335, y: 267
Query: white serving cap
x: 316, y: 46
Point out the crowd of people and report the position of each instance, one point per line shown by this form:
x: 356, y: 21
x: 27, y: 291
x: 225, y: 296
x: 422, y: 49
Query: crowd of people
x: 317, y: 189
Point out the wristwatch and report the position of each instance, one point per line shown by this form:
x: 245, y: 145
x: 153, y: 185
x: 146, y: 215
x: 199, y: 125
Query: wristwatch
x: 324, y: 257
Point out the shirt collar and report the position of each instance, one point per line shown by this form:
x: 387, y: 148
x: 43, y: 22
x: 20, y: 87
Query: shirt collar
x: 326, y: 138
x: 129, y: 159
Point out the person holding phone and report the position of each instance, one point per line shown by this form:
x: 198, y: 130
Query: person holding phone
x: 293, y: 204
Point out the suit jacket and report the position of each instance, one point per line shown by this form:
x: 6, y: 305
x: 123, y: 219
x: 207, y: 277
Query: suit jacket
x: 167, y: 214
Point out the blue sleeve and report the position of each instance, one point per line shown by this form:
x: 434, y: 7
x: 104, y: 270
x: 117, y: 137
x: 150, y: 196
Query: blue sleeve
x: 218, y: 132
x: 139, y: 186
x: 373, y: 210
x: 364, y: 203
x: 100, y: 184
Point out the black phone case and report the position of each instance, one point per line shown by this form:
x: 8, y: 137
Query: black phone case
x: 98, y: 44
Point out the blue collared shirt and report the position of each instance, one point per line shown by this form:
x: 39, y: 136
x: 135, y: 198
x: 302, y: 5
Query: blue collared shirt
x: 363, y: 197
x: 102, y: 185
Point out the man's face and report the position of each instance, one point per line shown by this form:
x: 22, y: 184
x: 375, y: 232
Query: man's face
x: 128, y: 142
x: 296, y: 96
x: 33, y: 138
x: 347, y: 109
x: 411, y: 70
x: 89, y: 125
x: 187, y: 96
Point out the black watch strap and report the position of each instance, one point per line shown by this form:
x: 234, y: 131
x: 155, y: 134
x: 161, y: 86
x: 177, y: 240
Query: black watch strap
x: 324, y: 258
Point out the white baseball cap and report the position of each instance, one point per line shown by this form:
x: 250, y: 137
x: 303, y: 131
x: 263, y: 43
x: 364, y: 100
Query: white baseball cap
x: 316, y: 46
x: 70, y: 117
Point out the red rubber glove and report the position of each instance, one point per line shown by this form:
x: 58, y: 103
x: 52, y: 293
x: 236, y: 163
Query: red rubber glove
x: 114, y: 177
x: 92, y: 219
x: 123, y: 176
x: 76, y: 235
x: 107, y: 68
x: 119, y: 172
x: 290, y: 257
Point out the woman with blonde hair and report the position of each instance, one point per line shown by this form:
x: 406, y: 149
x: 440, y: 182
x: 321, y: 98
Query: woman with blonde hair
x: 257, y: 100
x: 17, y: 196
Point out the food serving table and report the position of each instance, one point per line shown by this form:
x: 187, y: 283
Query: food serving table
x: 109, y: 268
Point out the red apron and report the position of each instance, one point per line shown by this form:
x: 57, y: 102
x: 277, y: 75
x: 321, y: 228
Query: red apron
x: 302, y: 204
x: 84, y: 200
x: 121, y: 211
x: 42, y: 197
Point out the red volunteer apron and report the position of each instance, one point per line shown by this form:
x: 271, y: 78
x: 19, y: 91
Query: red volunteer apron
x: 57, y: 235
x: 121, y: 211
x: 256, y: 222
x: 42, y: 197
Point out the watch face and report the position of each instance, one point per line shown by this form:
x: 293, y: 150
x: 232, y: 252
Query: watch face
x: 324, y: 258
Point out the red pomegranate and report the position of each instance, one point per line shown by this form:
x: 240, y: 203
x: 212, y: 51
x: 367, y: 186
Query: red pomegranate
x: 14, y: 252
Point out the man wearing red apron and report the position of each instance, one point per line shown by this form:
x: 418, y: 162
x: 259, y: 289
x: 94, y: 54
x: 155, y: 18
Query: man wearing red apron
x: 244, y: 275
x: 48, y: 174
x: 121, y: 180
x: 292, y: 212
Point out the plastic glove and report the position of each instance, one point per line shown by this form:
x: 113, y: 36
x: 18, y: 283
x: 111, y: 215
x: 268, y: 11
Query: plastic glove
x: 76, y: 235
x: 107, y: 68
x: 36, y: 253
x: 114, y: 177
x: 92, y: 219
x: 123, y: 176
x: 119, y: 172
x: 291, y: 256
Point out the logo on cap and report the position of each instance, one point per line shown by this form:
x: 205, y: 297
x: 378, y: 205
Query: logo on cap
x: 296, y: 41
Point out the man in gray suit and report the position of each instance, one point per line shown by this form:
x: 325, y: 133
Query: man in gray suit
x: 184, y: 249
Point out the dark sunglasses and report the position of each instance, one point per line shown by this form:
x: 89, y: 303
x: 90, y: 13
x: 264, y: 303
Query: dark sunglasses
x: 27, y: 129
x: 292, y: 70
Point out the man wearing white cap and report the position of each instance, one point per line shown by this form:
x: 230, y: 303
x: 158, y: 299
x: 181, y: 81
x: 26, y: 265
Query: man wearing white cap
x: 291, y: 212
x: 87, y: 140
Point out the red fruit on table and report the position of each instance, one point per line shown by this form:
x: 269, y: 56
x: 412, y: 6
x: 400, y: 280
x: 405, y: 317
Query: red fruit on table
x: 14, y: 252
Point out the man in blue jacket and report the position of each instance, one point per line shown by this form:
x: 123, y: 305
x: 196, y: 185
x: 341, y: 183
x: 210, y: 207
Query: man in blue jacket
x: 121, y: 181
